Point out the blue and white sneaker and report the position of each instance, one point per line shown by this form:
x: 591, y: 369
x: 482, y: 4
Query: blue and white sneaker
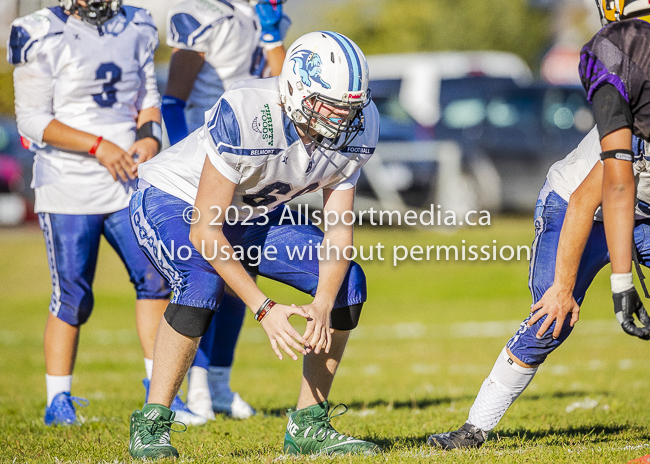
x: 183, y: 413
x: 62, y: 411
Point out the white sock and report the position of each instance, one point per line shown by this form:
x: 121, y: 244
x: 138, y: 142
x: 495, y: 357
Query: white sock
x: 197, y: 378
x: 502, y: 387
x: 56, y: 384
x: 148, y: 367
x: 219, y: 381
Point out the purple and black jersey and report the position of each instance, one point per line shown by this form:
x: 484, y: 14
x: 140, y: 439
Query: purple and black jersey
x: 619, y: 54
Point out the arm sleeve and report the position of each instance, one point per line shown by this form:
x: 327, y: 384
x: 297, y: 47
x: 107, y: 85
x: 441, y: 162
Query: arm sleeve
x: 174, y: 116
x: 223, y: 141
x: 33, y: 88
x: 611, y: 110
x: 148, y: 96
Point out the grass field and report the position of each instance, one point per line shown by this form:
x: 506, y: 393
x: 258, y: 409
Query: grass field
x: 429, y: 335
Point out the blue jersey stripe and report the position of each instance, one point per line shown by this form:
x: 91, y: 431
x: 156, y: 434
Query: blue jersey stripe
x: 351, y: 57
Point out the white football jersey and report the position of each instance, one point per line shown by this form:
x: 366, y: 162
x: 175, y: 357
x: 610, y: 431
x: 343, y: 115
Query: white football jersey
x: 229, y: 33
x: 566, y: 175
x: 252, y: 142
x: 94, y: 79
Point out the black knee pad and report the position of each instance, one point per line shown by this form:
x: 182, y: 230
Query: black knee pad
x: 346, y: 318
x: 188, y: 320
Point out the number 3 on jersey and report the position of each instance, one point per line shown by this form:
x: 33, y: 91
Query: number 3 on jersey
x: 113, y: 73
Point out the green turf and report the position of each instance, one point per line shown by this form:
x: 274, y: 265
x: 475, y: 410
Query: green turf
x: 429, y: 335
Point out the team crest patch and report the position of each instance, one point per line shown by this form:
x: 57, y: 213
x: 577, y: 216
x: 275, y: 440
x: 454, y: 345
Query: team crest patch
x: 309, y: 67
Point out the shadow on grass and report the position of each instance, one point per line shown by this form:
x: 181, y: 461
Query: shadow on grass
x: 563, y: 394
x: 411, y: 403
x: 604, y: 432
x: 423, y: 403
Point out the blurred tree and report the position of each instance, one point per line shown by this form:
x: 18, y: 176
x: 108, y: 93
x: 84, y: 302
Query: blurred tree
x: 6, y: 93
x: 395, y: 26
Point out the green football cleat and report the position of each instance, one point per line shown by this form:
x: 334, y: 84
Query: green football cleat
x: 309, y: 432
x: 150, y: 432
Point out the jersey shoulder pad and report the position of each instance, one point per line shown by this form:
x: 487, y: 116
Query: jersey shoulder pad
x: 609, y: 57
x: 257, y: 114
x: 139, y: 17
x: 189, y: 21
x: 30, y: 33
x: 223, y: 126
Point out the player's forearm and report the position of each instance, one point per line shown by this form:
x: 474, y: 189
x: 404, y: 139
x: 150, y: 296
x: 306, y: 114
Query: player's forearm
x: 576, y: 228
x: 275, y: 59
x: 333, y: 264
x: 619, y: 191
x: 184, y: 66
x: 148, y: 114
x: 64, y: 137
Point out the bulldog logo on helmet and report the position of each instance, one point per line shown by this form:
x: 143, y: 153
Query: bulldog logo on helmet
x: 309, y: 67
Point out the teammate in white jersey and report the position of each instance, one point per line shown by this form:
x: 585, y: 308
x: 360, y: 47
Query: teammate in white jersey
x: 568, y: 251
x: 216, y: 43
x: 265, y: 142
x: 86, y: 99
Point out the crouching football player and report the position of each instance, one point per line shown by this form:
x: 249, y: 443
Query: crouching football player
x: 570, y: 247
x: 265, y: 142
x: 216, y: 44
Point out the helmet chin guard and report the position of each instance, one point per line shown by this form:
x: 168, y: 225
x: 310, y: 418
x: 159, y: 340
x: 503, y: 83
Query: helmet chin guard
x: 96, y: 12
x: 324, y: 88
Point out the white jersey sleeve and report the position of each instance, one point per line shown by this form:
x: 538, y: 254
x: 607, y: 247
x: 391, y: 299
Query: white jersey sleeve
x: 31, y: 39
x: 566, y: 175
x: 191, y: 24
x: 148, y: 95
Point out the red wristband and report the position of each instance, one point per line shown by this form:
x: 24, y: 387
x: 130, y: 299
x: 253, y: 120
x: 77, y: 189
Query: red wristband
x: 93, y: 150
x: 264, y: 311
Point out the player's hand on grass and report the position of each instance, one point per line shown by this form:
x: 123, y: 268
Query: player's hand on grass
x: 282, y: 334
x: 146, y: 149
x: 556, y: 304
x: 626, y: 305
x: 318, y: 330
x: 117, y: 161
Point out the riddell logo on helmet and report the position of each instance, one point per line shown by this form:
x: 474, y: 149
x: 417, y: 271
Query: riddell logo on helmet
x: 355, y: 96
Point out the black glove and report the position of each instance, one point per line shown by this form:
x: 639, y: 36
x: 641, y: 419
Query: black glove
x: 626, y: 305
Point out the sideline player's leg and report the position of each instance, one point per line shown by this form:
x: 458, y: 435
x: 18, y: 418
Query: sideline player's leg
x: 72, y: 243
x: 208, y: 387
x: 309, y: 430
x: 518, y: 362
x: 152, y: 297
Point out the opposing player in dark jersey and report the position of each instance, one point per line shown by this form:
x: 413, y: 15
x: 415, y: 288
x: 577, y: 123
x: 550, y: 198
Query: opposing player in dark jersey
x: 570, y: 247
